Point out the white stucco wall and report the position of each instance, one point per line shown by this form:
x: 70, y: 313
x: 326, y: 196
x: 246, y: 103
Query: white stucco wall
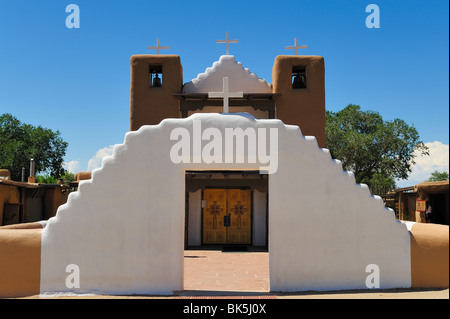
x: 240, y: 78
x: 324, y: 230
x: 124, y: 228
x: 195, y: 219
x: 259, y: 218
x: 236, y: 109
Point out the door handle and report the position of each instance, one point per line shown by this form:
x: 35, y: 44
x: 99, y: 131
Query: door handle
x: 226, y: 220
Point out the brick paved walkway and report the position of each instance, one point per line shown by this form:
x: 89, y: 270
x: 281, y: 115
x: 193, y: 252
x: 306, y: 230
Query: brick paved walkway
x: 214, y: 272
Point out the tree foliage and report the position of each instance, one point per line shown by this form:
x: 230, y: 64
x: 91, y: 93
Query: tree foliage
x: 377, y: 151
x: 21, y: 142
x: 438, y: 176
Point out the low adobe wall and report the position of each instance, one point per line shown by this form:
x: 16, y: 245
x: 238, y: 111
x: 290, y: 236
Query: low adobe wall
x: 20, y: 261
x: 33, y: 225
x: 429, y: 256
x: 81, y: 176
x: 20, y: 249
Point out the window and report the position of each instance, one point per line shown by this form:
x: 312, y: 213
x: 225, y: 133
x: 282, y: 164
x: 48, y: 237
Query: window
x: 155, y: 76
x: 298, y: 77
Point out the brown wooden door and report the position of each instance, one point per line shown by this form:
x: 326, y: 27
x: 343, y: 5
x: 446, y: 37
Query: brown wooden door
x: 239, y: 210
x: 227, y: 216
x: 214, y: 231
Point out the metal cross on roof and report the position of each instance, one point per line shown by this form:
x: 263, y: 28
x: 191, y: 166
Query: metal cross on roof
x: 225, y: 94
x: 296, y: 47
x: 227, y: 41
x: 158, y: 47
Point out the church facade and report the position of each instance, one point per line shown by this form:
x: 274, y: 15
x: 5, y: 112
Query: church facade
x: 296, y: 97
x: 190, y: 175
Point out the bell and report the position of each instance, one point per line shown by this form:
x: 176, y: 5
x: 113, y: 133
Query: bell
x: 156, y: 81
x: 299, y: 82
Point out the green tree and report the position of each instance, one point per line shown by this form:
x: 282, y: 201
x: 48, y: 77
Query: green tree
x: 46, y: 179
x: 375, y: 150
x: 381, y: 184
x: 21, y: 142
x: 438, y: 176
x: 67, y: 177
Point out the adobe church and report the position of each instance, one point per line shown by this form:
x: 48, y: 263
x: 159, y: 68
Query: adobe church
x: 322, y: 230
x: 296, y: 97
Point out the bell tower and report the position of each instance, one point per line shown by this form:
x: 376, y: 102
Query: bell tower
x: 300, y: 81
x: 154, y: 80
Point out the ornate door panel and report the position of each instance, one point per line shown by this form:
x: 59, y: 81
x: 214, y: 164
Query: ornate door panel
x: 214, y: 231
x: 239, y: 210
x: 227, y: 216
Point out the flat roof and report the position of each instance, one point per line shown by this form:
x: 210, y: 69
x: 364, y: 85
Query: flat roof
x: 8, y: 182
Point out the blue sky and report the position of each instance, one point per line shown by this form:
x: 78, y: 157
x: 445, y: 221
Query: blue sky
x: 77, y: 81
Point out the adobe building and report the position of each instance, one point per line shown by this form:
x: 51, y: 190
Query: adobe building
x: 322, y: 230
x: 296, y: 95
x: 22, y: 202
x: 411, y: 202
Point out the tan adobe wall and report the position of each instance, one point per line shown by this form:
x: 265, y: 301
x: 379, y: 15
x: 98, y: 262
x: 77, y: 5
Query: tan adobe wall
x: 20, y: 260
x: 429, y: 256
x: 32, y: 225
x: 8, y: 195
x: 302, y: 107
x: 54, y: 197
x: 149, y: 105
x: 4, y: 173
x: 82, y: 176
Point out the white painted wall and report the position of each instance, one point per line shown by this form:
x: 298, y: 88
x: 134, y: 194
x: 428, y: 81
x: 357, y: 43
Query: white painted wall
x: 259, y: 218
x: 235, y: 109
x: 240, y: 78
x: 324, y: 229
x: 125, y: 227
x: 195, y: 218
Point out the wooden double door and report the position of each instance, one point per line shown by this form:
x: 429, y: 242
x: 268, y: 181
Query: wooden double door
x: 227, y: 216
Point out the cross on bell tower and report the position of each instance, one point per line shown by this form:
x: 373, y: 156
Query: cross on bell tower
x: 158, y: 47
x: 296, y: 46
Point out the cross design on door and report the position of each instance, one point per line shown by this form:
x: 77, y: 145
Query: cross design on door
x: 214, y: 210
x: 239, y: 210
